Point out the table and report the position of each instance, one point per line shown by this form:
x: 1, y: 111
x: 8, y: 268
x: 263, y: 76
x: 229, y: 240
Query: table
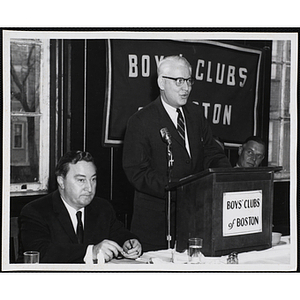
x: 277, y: 258
x: 281, y: 257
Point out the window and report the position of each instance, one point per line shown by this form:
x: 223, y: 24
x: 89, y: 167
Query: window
x: 18, y: 136
x: 29, y: 108
x: 279, y: 130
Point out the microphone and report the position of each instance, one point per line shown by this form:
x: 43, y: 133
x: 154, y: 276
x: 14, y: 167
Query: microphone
x: 166, y: 136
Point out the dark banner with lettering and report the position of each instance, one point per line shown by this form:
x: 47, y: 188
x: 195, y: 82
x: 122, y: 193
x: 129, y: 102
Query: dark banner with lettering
x: 226, y: 84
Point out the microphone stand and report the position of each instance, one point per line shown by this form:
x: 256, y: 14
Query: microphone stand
x: 170, y: 167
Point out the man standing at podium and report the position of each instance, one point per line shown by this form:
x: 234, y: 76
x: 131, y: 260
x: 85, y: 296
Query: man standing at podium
x: 145, y: 150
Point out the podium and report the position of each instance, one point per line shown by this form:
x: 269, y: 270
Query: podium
x: 231, y: 209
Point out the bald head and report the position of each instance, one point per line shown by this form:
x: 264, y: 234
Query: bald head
x: 174, y: 80
x: 170, y: 62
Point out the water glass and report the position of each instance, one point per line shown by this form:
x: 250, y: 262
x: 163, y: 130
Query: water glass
x: 194, y: 253
x: 31, y: 257
x: 179, y: 256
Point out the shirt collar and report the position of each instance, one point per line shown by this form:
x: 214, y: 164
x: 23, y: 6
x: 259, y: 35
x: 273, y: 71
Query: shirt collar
x: 167, y: 106
x: 72, y: 212
x: 170, y: 109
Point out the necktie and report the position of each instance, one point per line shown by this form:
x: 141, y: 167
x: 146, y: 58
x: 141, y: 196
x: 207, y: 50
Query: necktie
x: 180, y: 124
x: 79, y: 230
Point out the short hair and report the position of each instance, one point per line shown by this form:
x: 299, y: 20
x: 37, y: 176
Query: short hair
x: 71, y: 157
x: 169, y: 60
x: 255, y: 139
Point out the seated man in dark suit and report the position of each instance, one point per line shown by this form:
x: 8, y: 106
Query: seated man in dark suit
x: 51, y: 226
x: 251, y: 153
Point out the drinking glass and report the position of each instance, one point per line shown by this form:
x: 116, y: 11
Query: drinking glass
x: 31, y: 257
x: 179, y: 256
x: 194, y: 253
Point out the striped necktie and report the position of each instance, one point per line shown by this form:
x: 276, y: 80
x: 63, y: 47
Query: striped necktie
x: 79, y: 230
x: 180, y: 124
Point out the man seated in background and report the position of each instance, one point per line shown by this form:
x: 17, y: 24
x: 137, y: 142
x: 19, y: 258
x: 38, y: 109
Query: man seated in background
x: 71, y: 225
x: 251, y: 153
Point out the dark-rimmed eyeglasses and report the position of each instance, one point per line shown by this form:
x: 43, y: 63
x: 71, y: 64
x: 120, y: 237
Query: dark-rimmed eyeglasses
x: 180, y: 80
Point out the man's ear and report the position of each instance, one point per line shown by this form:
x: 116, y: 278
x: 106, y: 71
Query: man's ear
x: 161, y: 83
x: 60, y: 182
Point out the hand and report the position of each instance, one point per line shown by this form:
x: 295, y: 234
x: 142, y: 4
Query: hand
x: 132, y: 249
x: 108, y: 248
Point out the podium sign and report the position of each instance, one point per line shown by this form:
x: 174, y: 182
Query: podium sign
x: 231, y: 209
x: 242, y: 212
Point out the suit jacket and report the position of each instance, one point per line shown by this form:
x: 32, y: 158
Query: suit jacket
x: 45, y: 226
x: 145, y: 162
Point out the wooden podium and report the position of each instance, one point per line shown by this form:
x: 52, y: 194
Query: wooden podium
x: 231, y: 209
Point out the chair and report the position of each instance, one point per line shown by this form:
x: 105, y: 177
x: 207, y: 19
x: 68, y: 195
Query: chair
x: 14, y: 239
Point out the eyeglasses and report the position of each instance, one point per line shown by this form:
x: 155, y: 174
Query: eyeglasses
x: 180, y: 80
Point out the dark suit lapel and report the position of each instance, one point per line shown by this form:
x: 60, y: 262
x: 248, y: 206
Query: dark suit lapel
x: 90, y: 222
x: 192, y: 131
x: 63, y: 216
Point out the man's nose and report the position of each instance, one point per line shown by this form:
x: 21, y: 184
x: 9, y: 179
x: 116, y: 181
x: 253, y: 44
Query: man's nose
x: 88, y: 186
x: 185, y: 86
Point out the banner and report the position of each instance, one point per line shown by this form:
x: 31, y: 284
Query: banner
x: 226, y: 84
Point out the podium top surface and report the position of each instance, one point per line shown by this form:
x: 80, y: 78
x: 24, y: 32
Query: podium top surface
x: 206, y: 172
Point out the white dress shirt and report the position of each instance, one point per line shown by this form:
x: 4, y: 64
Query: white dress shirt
x: 72, y: 212
x: 88, y: 258
x: 173, y: 115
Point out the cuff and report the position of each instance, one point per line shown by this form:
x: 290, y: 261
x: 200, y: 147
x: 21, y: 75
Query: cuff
x: 90, y: 260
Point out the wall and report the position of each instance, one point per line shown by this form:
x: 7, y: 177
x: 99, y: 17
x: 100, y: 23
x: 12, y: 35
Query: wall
x: 112, y: 183
x: 85, y: 66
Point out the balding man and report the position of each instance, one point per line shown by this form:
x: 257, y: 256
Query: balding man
x: 144, y: 157
x: 251, y: 153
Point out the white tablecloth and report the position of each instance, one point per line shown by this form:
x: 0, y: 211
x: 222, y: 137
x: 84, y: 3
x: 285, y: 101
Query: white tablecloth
x: 282, y: 257
x: 278, y: 254
x: 277, y: 258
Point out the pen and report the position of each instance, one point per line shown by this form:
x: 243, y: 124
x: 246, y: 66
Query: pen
x: 131, y: 246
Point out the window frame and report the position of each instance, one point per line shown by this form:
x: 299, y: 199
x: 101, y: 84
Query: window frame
x: 41, y: 186
x: 280, y: 139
